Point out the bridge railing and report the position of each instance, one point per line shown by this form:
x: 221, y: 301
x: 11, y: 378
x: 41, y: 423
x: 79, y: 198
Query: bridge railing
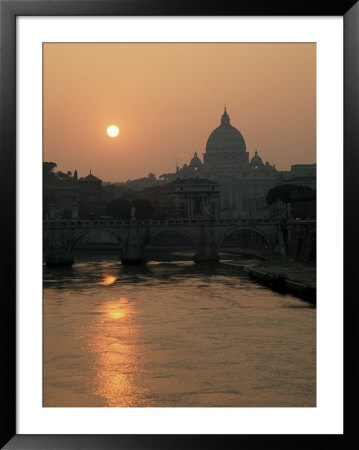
x: 74, y: 223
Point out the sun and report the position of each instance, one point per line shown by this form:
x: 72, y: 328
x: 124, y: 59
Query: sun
x: 112, y: 131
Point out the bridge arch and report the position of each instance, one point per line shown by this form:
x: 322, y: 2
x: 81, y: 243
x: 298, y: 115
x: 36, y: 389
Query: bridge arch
x: 89, y: 231
x: 177, y: 231
x: 250, y: 234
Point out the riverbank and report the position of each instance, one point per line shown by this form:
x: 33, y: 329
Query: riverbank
x: 285, y: 275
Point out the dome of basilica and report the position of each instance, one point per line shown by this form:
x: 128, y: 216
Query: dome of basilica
x: 256, y: 161
x: 225, y: 137
x: 195, y: 162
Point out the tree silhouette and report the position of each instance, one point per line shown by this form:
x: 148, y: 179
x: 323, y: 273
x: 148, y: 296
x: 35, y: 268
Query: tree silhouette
x: 48, y: 170
x: 144, y: 208
x: 118, y: 208
x: 64, y: 176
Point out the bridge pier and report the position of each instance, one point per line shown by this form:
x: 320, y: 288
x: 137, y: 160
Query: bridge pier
x: 208, y: 249
x: 281, y: 248
x: 58, y: 253
x: 206, y: 253
x: 133, y: 252
x: 58, y: 257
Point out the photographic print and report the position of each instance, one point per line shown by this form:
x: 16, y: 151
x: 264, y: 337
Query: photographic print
x: 179, y: 224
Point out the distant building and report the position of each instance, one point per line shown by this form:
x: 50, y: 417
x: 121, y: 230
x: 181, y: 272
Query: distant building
x: 304, y: 175
x: 62, y: 194
x: 90, y: 185
x: 90, y: 196
x: 185, y: 198
x: 193, y: 198
x: 304, y: 170
x: 243, y: 181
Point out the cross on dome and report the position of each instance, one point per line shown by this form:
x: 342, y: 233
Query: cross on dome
x: 225, y: 117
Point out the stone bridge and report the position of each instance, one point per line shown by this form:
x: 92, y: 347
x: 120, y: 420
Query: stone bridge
x: 207, y: 235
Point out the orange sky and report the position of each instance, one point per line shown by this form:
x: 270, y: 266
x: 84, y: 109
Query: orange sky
x: 167, y: 98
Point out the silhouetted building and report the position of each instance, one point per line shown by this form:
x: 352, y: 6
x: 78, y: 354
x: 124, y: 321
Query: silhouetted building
x: 192, y: 198
x: 243, y: 182
x: 91, y: 202
x: 90, y: 185
x: 304, y: 175
x: 184, y: 198
x: 85, y: 192
x: 304, y: 170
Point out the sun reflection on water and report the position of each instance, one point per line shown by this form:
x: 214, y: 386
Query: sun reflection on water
x: 108, y: 280
x: 115, y: 360
x: 116, y: 309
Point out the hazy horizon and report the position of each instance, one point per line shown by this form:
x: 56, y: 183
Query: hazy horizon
x: 167, y: 98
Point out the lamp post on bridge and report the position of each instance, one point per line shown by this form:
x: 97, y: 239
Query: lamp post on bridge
x: 75, y: 210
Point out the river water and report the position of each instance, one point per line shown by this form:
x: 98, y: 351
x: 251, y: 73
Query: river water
x: 173, y: 334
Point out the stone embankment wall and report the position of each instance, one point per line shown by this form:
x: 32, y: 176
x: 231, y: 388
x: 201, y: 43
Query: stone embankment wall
x: 301, y: 240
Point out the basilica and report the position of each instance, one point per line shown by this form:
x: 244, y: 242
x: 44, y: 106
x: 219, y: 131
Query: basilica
x: 243, y: 181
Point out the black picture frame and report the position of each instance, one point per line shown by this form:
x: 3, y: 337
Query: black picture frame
x: 9, y: 10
